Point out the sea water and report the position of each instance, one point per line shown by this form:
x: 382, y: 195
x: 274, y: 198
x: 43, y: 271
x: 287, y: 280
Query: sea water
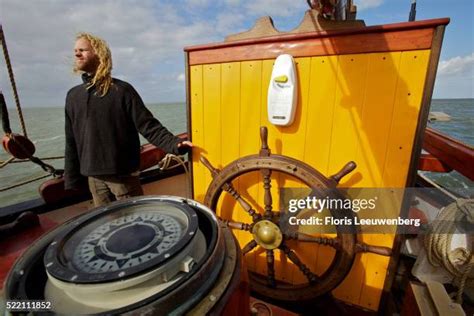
x: 45, y: 127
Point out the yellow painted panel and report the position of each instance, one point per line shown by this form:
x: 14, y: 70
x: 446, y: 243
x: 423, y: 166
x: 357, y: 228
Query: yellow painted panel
x: 230, y: 96
x: 320, y: 112
x: 249, y: 143
x: 352, y: 107
x: 197, y: 132
x: 376, y: 117
x: 412, y: 72
x: 228, y: 208
x: 212, y: 116
x: 411, y: 75
x: 322, y: 88
x: 382, y: 78
x: 349, y: 100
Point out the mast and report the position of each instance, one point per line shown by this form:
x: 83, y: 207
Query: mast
x: 412, y: 15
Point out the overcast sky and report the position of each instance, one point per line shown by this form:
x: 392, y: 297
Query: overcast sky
x: 147, y: 39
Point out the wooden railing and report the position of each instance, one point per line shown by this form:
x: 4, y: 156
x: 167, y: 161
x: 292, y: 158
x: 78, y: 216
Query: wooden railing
x: 444, y: 154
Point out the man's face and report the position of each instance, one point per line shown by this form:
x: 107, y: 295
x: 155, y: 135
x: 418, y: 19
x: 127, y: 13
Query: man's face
x: 85, y: 58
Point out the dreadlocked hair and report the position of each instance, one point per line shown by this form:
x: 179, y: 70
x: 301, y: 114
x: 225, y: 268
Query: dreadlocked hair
x: 102, y: 79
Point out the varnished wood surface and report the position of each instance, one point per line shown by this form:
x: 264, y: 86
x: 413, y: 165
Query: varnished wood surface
x: 319, y: 46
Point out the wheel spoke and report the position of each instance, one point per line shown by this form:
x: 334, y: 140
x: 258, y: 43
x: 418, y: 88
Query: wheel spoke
x: 380, y: 250
x: 270, y: 268
x: 249, y: 246
x: 266, y: 173
x: 245, y: 205
x: 265, y: 235
x: 228, y: 187
x: 296, y: 260
x: 237, y: 225
x: 332, y: 242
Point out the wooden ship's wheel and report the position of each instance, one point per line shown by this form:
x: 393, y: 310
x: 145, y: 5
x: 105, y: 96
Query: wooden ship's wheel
x: 269, y: 233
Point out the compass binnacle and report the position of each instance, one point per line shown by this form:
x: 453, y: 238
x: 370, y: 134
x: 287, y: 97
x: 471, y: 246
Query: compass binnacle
x: 120, y: 242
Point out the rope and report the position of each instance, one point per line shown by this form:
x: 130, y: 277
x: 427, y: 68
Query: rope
x: 458, y: 262
x: 48, y: 168
x: 165, y: 164
x: 6, y: 162
x: 12, y: 81
x: 23, y: 183
x: 27, y: 160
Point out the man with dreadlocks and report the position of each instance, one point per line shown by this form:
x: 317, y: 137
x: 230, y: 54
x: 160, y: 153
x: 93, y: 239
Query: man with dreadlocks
x: 103, y: 116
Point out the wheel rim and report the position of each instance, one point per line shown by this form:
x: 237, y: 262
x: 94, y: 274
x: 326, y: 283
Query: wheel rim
x: 344, y: 244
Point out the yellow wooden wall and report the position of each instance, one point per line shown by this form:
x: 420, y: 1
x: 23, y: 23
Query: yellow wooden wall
x: 361, y: 107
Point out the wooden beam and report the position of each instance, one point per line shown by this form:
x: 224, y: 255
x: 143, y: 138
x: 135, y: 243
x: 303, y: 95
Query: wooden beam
x: 453, y: 153
x: 402, y: 40
x: 428, y: 162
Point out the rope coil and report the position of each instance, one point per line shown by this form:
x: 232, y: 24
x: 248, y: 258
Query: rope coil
x: 460, y: 261
x: 165, y: 164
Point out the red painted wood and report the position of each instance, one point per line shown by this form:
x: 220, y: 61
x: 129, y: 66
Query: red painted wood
x: 428, y: 162
x: 450, y: 152
x: 404, y: 26
x: 12, y: 247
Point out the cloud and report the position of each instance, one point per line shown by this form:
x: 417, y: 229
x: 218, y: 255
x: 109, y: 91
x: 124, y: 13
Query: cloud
x: 368, y: 4
x: 145, y: 40
x: 180, y: 77
x: 276, y: 8
x: 457, y: 66
x: 230, y: 22
x: 197, y: 3
x: 232, y: 2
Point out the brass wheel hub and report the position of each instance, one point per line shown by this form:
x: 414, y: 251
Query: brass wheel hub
x: 267, y: 234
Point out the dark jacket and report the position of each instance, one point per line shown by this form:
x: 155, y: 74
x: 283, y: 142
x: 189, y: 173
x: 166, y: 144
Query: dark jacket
x: 102, y: 132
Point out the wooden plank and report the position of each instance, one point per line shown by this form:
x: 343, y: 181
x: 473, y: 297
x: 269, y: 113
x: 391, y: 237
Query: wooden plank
x: 230, y: 131
x: 350, y: 90
x: 319, y: 127
x: 321, y: 46
x: 374, y: 128
x: 403, y: 26
x: 376, y: 116
x: 197, y: 132
x: 452, y: 153
x: 212, y: 117
x: 412, y: 72
x: 249, y: 144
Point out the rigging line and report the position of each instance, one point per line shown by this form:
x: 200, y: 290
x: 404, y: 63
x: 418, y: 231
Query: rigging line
x: 165, y: 164
x: 6, y: 162
x: 23, y: 183
x: 12, y: 81
x: 27, y: 160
